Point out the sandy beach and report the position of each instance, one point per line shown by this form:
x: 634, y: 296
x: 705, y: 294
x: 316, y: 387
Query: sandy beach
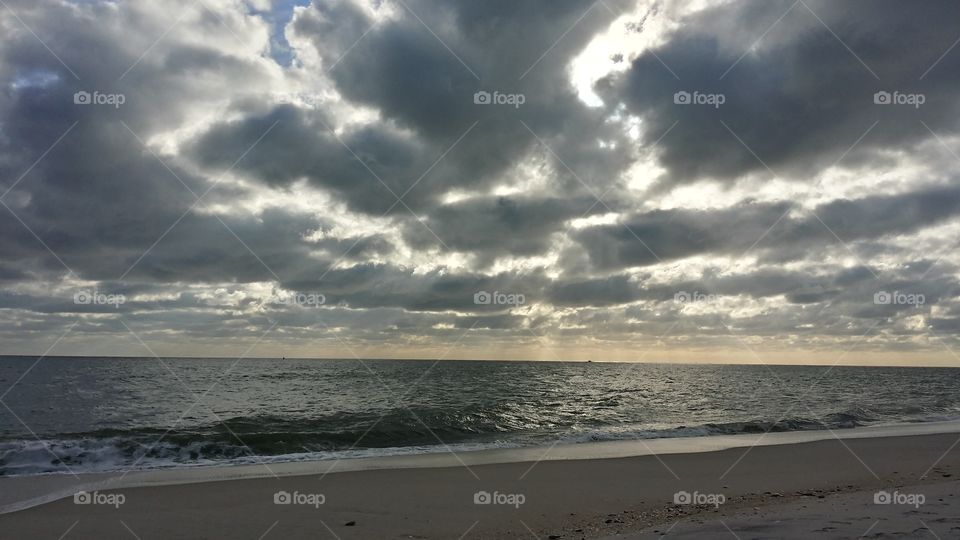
x: 823, y: 488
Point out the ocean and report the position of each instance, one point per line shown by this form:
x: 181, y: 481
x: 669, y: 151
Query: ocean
x: 116, y: 414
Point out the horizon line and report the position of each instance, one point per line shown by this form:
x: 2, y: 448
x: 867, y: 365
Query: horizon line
x: 554, y: 361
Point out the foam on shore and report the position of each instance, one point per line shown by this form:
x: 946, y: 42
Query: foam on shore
x: 19, y: 493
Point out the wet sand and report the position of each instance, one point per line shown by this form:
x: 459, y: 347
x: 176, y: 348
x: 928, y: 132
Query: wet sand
x: 800, y: 490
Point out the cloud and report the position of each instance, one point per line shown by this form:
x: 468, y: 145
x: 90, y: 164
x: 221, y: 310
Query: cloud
x: 799, y: 93
x: 779, y: 231
x: 335, y: 148
x: 488, y: 227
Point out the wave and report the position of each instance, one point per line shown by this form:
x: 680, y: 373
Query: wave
x: 259, y: 439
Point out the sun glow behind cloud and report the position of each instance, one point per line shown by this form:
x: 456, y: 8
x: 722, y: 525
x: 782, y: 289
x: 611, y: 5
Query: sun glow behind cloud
x: 338, y: 148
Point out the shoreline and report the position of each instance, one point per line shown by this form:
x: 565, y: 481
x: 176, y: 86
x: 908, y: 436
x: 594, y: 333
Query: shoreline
x: 27, y: 491
x: 575, y: 487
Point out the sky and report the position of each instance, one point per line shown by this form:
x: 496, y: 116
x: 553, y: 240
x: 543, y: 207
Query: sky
x: 634, y: 180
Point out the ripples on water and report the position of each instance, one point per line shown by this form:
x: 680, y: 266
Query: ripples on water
x: 112, y: 413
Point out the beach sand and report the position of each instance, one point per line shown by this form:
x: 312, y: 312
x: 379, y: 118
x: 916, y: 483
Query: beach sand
x: 821, y: 489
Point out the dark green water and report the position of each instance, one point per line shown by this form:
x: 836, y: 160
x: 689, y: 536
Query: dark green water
x: 119, y: 413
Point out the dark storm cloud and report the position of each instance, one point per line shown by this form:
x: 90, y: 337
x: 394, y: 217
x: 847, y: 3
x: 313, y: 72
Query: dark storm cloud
x: 598, y: 292
x: 497, y: 226
x: 98, y: 199
x: 242, y: 249
x: 406, y: 72
x: 666, y: 235
x: 843, y: 312
x: 301, y: 145
x: 846, y: 290
x: 799, y: 100
x: 427, y: 97
x: 380, y: 285
x: 99, y: 216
